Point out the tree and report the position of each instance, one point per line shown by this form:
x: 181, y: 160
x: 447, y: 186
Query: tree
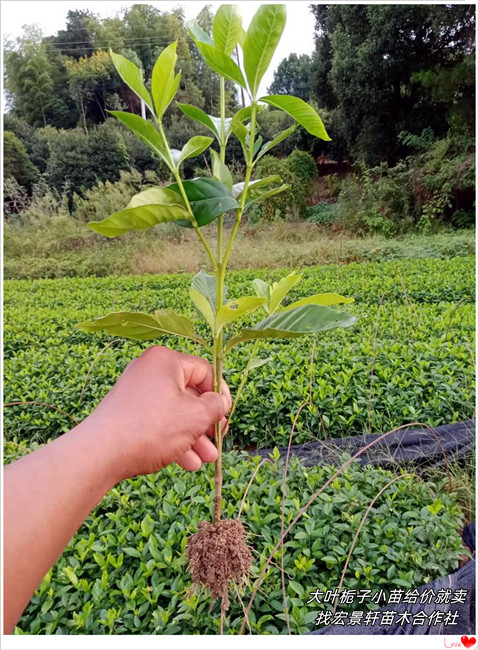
x: 292, y: 77
x: 78, y: 39
x: 28, y: 77
x: 85, y: 78
x: 16, y: 161
x: 78, y: 161
x: 367, y: 68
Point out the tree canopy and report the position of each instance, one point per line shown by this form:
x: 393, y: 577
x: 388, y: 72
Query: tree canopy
x: 68, y: 80
x: 384, y: 69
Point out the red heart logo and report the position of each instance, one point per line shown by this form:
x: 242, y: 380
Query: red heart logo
x: 468, y: 641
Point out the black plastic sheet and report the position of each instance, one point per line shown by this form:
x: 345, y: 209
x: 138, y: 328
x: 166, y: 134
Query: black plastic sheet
x: 419, y: 447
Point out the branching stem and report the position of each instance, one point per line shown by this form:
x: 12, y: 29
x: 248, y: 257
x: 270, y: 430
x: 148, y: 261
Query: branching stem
x: 218, y: 337
x: 178, y: 180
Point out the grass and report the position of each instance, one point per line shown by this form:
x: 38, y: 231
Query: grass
x: 462, y: 483
x: 63, y: 247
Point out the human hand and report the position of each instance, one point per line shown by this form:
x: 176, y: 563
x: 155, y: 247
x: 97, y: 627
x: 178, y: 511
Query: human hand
x: 162, y: 410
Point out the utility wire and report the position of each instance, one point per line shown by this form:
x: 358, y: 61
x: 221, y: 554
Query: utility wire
x: 114, y: 38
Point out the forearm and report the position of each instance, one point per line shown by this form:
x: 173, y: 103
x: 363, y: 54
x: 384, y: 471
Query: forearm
x: 47, y: 496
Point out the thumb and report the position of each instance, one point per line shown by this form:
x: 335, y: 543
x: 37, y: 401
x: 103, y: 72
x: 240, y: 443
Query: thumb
x: 216, y: 406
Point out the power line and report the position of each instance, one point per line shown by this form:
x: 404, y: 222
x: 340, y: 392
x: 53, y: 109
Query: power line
x: 117, y: 38
x: 101, y: 49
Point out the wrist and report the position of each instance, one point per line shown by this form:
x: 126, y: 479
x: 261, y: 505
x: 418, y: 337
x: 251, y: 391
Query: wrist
x: 104, y: 449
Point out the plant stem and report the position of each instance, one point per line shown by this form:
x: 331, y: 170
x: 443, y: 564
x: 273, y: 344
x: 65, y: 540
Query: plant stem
x: 177, y: 177
x: 220, y: 273
x: 217, y: 366
x: 222, y: 143
x: 193, y: 220
x: 247, y: 179
x: 220, y: 276
x: 222, y: 154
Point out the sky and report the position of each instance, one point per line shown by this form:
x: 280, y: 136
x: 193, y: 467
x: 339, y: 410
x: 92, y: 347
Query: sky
x: 50, y: 16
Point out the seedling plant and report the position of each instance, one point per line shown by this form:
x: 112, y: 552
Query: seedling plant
x: 218, y: 552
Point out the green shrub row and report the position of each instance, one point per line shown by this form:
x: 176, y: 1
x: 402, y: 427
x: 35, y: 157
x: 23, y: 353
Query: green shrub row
x: 125, y: 571
x: 409, y: 357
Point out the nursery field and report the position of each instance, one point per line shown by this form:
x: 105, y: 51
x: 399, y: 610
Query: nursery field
x: 410, y: 357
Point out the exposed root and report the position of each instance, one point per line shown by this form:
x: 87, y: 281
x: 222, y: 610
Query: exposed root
x: 217, y: 554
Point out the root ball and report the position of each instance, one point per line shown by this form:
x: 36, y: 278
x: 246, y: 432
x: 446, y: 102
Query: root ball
x: 218, y: 553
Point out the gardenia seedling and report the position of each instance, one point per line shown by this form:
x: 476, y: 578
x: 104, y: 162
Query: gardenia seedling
x: 218, y: 553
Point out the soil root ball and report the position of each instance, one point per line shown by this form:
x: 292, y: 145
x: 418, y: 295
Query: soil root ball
x: 218, y: 553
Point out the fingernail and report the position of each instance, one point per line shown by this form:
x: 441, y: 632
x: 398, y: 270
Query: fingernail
x: 226, y: 402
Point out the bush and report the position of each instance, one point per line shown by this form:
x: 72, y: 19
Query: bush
x: 321, y: 213
x: 24, y: 132
x: 298, y: 170
x: 431, y: 189
x: 78, y: 161
x: 106, y: 198
x: 376, y: 201
x: 124, y: 571
x: 443, y: 177
x: 16, y: 161
x: 303, y: 166
x: 15, y: 199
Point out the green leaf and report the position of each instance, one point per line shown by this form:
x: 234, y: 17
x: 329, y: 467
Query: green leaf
x: 298, y: 588
x: 132, y: 76
x: 145, y: 131
x: 302, y: 112
x: 70, y: 573
x: 221, y: 63
x: 243, y: 114
x: 206, y: 285
x: 209, y: 199
x: 241, y: 133
x: 277, y: 139
x: 279, y: 290
x: 226, y: 28
x: 234, y: 309
x: 146, y: 209
x: 320, y: 299
x: 254, y: 185
x: 197, y: 33
x: 164, y: 83
x: 199, y: 116
x: 293, y: 323
x: 238, y: 127
x: 257, y: 145
x: 141, y: 326
x: 435, y: 507
x: 133, y: 552
x: 265, y: 194
x: 203, y: 305
x: 263, y: 290
x: 262, y: 38
x: 220, y: 171
x: 194, y: 147
x: 241, y: 37
x: 257, y: 363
